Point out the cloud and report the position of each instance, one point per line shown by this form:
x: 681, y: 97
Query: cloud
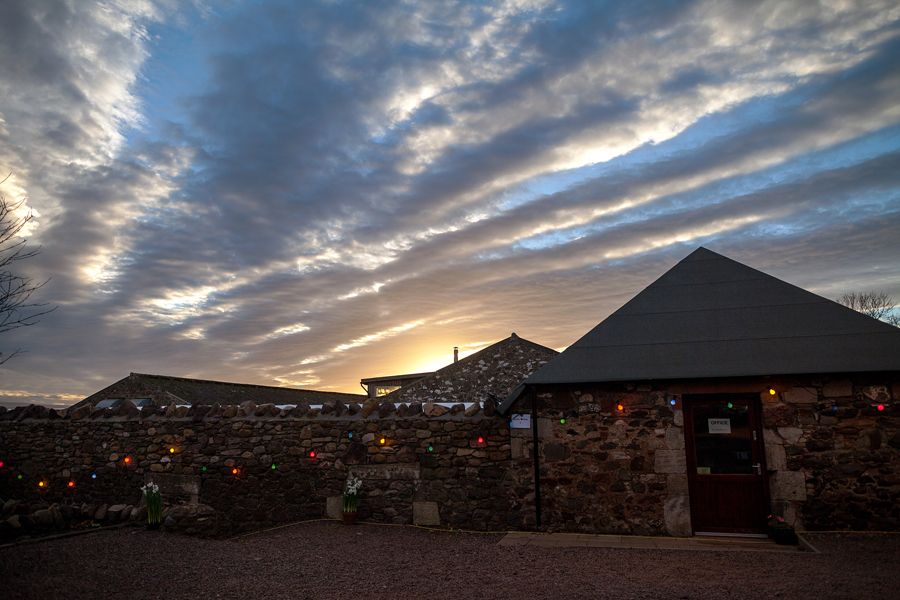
x: 311, y: 193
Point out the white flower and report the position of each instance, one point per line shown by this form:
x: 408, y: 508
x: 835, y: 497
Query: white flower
x: 353, y: 485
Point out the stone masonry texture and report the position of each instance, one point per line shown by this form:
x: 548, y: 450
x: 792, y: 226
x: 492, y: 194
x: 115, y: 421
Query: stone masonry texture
x: 832, y: 457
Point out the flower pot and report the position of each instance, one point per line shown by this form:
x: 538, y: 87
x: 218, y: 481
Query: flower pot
x: 783, y: 537
x: 349, y: 518
x: 153, y: 526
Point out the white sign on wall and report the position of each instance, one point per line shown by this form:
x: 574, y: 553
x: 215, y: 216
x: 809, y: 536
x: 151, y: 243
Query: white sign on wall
x: 719, y: 425
x: 520, y: 421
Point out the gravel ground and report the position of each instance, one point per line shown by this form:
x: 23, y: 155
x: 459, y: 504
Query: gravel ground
x: 325, y: 560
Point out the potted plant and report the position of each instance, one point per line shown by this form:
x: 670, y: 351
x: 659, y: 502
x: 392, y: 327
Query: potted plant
x: 351, y: 497
x: 153, y: 500
x: 781, y: 531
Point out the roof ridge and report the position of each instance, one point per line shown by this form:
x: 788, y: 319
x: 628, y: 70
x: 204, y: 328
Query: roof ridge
x: 251, y: 385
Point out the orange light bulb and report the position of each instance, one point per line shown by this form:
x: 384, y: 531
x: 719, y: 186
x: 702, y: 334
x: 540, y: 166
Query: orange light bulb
x: 620, y: 407
x: 71, y: 484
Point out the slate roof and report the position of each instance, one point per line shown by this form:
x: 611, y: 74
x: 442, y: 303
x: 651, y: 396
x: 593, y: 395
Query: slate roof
x: 710, y: 316
x: 201, y: 391
x: 493, y: 371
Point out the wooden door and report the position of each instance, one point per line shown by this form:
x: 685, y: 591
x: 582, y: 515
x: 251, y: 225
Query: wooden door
x: 723, y: 442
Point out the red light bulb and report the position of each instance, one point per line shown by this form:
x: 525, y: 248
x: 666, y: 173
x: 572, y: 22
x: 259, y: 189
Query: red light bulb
x: 481, y: 440
x: 312, y: 454
x: 881, y: 407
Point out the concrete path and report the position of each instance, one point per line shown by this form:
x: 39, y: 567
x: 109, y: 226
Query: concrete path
x: 567, y: 540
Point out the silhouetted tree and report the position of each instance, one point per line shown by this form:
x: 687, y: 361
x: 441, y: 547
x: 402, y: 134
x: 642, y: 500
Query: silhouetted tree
x: 16, y: 309
x: 875, y: 304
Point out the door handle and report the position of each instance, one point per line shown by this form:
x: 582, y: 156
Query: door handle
x: 758, y: 467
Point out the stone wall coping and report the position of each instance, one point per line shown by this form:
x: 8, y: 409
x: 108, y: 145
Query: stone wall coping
x: 471, y: 411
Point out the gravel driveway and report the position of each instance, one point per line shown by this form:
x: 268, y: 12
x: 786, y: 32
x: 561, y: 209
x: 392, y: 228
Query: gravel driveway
x: 325, y: 560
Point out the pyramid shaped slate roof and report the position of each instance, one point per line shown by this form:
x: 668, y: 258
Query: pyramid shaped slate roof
x: 710, y: 316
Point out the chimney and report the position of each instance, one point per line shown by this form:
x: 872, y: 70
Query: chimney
x: 455, y: 353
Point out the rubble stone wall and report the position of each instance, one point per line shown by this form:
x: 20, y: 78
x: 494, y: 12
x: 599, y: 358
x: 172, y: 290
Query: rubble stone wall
x: 832, y: 456
x: 259, y: 465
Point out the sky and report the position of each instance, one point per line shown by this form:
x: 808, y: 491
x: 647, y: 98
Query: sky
x: 309, y: 193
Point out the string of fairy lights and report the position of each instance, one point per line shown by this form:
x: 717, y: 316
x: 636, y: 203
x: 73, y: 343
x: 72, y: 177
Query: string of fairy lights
x: 234, y: 470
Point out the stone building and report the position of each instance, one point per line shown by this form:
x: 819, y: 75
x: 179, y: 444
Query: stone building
x: 715, y: 397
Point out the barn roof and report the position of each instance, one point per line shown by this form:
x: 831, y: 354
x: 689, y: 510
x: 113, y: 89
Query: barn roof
x: 202, y: 391
x: 710, y: 316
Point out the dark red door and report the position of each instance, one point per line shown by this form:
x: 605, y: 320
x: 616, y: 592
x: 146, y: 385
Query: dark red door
x: 724, y: 446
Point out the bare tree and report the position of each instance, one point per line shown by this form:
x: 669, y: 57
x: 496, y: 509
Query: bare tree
x: 16, y: 308
x: 875, y: 304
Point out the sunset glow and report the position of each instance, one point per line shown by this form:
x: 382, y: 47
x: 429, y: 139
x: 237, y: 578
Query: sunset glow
x: 237, y: 192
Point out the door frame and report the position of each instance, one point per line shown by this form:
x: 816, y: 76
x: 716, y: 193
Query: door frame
x: 758, y: 446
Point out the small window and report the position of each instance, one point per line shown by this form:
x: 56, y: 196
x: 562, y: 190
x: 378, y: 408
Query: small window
x: 109, y: 403
x: 384, y: 390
